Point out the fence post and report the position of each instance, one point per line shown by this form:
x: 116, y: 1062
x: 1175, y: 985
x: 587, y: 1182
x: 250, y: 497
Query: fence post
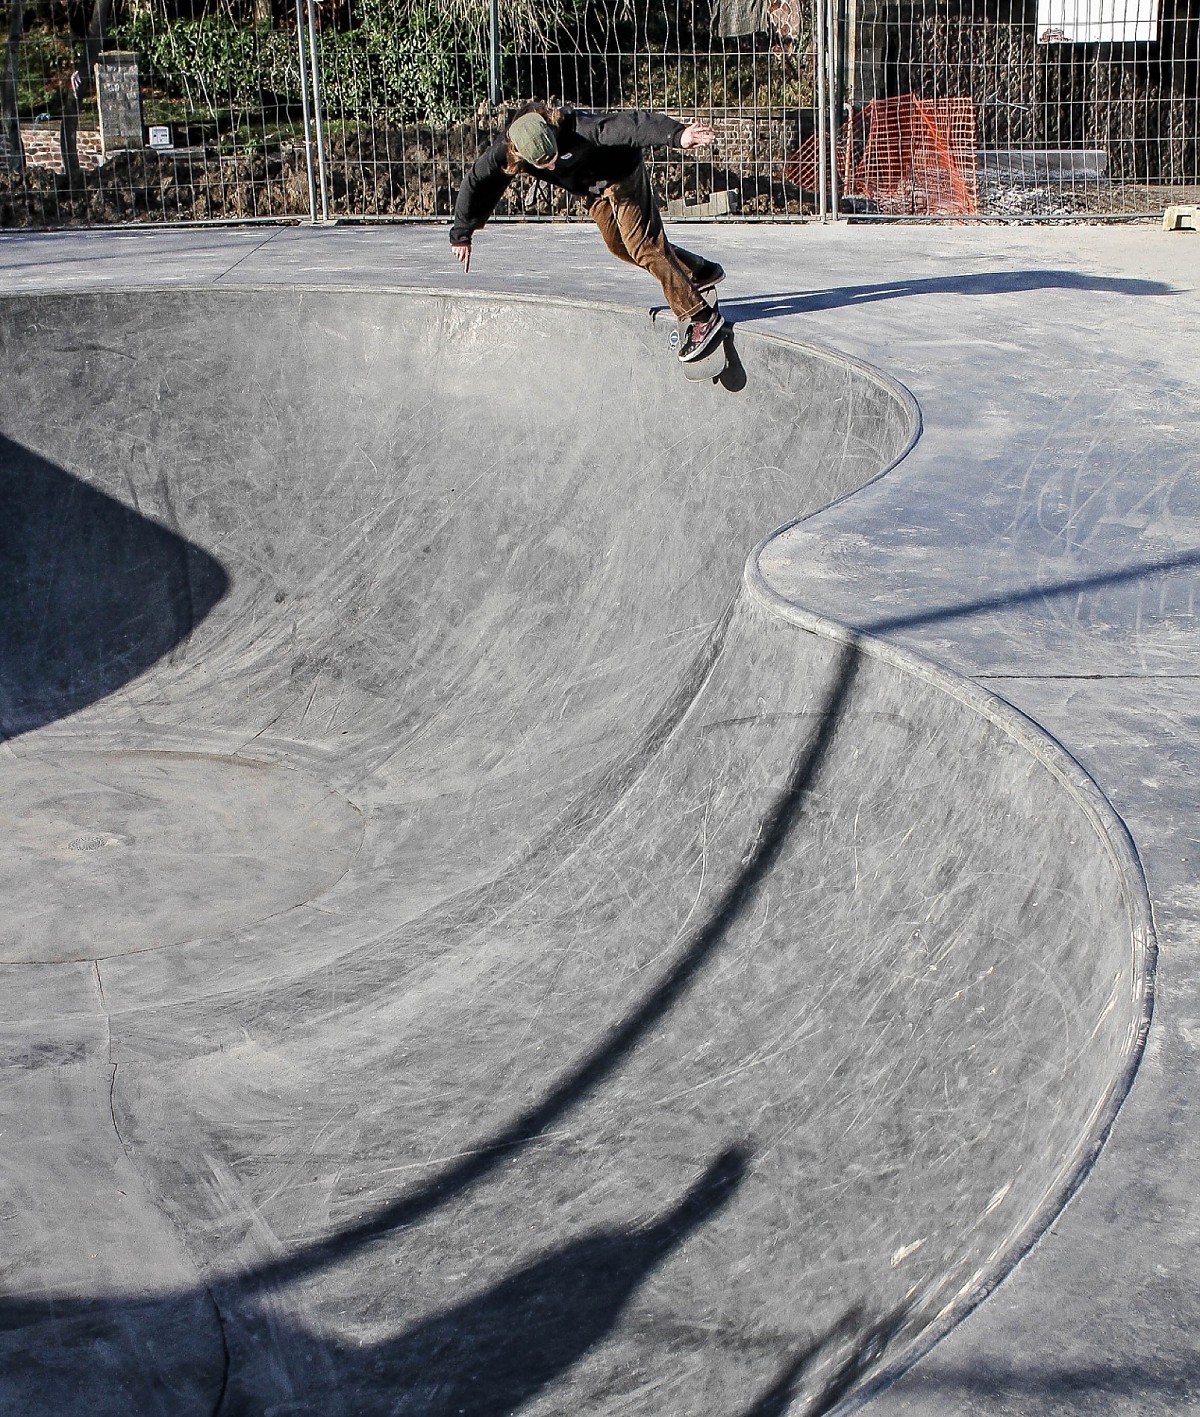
x: 494, y: 88
x: 315, y: 66
x: 834, y: 52
x: 308, y: 137
x: 822, y: 115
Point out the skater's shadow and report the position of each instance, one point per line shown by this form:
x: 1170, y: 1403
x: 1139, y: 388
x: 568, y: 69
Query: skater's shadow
x: 733, y: 376
x: 498, y: 1350
x: 493, y: 1352
x: 807, y: 302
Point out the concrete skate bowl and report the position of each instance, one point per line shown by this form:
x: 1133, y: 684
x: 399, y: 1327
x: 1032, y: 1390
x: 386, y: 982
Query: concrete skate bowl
x: 466, y: 949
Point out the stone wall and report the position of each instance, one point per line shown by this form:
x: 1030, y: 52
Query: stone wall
x: 42, y: 150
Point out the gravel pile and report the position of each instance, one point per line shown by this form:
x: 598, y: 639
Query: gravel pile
x: 1014, y: 199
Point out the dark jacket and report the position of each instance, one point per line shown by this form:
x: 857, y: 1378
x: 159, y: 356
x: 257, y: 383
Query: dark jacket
x: 594, y: 149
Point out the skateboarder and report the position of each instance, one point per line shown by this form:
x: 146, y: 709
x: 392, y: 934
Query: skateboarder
x: 598, y: 156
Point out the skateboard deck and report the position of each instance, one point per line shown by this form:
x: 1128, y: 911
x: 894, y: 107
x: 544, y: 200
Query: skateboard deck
x: 712, y: 363
x: 718, y: 359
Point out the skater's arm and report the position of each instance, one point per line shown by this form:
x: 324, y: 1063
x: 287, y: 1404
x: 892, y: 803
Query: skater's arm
x: 637, y: 128
x: 481, y: 189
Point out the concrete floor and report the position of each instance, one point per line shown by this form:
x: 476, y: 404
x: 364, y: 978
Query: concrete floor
x: 1040, y: 542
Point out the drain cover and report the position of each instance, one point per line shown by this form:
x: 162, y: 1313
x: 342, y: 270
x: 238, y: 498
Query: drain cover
x: 88, y: 842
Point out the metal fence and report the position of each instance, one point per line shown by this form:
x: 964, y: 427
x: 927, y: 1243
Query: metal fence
x: 1081, y: 106
x: 243, y: 110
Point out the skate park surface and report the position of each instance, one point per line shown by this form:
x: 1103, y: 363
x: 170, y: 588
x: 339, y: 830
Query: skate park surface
x: 531, y: 885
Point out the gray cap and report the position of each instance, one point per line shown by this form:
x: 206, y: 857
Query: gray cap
x: 533, y: 138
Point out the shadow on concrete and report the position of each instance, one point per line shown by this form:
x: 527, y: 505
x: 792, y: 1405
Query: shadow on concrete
x: 733, y: 377
x: 493, y: 1353
x: 1172, y: 1381
x: 859, y: 1340
x: 92, y: 593
x: 805, y: 302
x: 1142, y: 571
x: 776, y: 825
x: 496, y: 1351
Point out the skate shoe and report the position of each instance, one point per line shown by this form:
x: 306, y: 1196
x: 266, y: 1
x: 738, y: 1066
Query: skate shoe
x: 707, y: 274
x: 701, y: 334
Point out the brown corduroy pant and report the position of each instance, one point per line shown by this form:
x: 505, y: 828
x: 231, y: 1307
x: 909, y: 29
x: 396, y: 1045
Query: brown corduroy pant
x: 628, y: 217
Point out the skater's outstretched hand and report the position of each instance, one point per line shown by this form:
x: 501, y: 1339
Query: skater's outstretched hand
x: 697, y: 135
x: 462, y: 254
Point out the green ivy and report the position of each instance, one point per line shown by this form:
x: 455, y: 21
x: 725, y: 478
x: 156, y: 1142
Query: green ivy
x: 412, y: 52
x: 211, y: 62
x: 397, y: 63
x: 44, y: 59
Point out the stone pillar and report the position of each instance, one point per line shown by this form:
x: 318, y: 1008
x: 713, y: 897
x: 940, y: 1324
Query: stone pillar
x: 119, y: 97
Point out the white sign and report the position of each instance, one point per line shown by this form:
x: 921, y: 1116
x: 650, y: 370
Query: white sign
x: 1096, y: 21
x: 160, y: 137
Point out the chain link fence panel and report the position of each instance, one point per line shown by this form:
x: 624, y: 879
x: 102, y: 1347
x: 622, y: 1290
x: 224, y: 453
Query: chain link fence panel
x: 263, y: 110
x: 1083, y: 108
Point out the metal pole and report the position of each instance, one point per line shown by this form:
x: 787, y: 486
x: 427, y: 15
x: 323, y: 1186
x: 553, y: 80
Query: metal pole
x: 822, y: 117
x: 831, y: 50
x: 495, y: 93
x: 850, y: 86
x: 308, y: 154
x: 316, y: 90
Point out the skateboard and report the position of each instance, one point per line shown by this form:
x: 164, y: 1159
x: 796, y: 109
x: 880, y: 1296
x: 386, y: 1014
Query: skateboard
x: 714, y: 362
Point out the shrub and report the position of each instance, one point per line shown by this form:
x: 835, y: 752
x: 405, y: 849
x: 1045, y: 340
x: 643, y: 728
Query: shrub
x: 396, y: 64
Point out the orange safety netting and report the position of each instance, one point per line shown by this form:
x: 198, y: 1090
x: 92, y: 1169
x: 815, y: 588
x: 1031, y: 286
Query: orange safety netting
x: 907, y: 156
